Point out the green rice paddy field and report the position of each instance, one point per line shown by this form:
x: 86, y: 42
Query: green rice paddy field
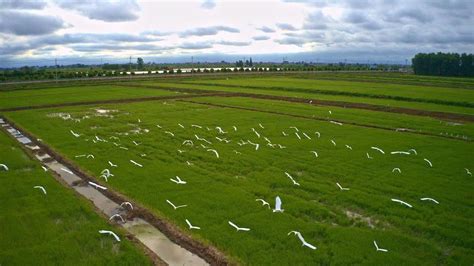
x: 211, y: 143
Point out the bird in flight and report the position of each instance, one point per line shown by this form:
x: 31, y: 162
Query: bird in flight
x: 238, y: 228
x: 379, y: 249
x: 342, y: 188
x: 178, y: 180
x: 377, y: 149
x: 42, y: 189
x: 174, y: 206
x: 192, y: 226
x: 135, y: 163
x: 97, y: 185
x: 429, y: 162
x: 430, y: 199
x: 402, y: 202
x: 264, y: 202
x: 126, y: 203
x: 302, y: 240
x: 292, y: 179
x: 110, y: 233
x: 214, y: 151
x: 4, y: 166
x: 117, y: 216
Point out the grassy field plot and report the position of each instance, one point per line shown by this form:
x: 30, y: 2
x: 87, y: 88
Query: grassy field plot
x: 215, y: 151
x: 53, y: 229
x: 35, y: 97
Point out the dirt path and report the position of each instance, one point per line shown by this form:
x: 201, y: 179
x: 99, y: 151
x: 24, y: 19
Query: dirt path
x: 406, y: 130
x: 365, y: 106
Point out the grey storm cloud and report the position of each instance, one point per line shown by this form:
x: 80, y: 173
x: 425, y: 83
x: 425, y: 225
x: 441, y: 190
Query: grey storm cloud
x: 261, y: 38
x: 286, y: 26
x: 19, y: 4
x: 266, y: 29
x: 207, y: 31
x: 195, y: 46
x: 108, y: 11
x: 25, y: 23
x: 233, y: 43
x: 208, y: 4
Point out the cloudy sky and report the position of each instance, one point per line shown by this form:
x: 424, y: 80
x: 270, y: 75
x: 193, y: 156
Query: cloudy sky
x: 35, y: 32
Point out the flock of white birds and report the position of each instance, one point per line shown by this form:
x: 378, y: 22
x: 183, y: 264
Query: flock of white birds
x: 207, y: 145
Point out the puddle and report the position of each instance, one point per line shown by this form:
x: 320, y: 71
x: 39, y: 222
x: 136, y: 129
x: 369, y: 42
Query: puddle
x: 147, y: 234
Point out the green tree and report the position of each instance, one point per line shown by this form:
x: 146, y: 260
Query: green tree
x: 140, y: 63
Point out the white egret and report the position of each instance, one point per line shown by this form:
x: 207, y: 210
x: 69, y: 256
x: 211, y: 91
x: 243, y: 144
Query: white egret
x: 335, y: 123
x: 220, y: 130
x: 181, y: 126
x: 4, y: 166
x: 188, y: 142
x: 430, y: 199
x: 112, y: 164
x: 67, y: 171
x: 284, y: 133
x: 136, y: 143
x: 158, y: 126
x: 237, y: 152
x: 298, y: 234
x: 400, y: 152
x: 123, y: 148
x: 117, y: 216
x: 139, y: 120
x: 189, y: 163
x: 306, y: 135
x: 178, y: 180
x: 397, y: 169
x: 297, y: 135
x: 238, y: 228
x: 377, y: 149
x: 379, y: 249
x: 97, y: 185
x: 125, y: 203
x: 402, y: 202
x: 315, y: 153
x: 174, y: 206
x: 42, y: 188
x: 429, y: 162
x: 260, y: 125
x: 468, y: 171
x: 90, y: 156
x: 110, y: 233
x: 264, y: 202
x: 317, y: 134
x: 80, y: 156
x: 256, y: 133
x: 414, y: 151
x: 292, y: 179
x: 44, y: 168
x: 214, y: 151
x: 281, y: 146
x: 197, y: 126
x: 169, y: 133
x: 75, y: 134
x: 330, y: 112
x: 235, y: 128
x: 349, y: 147
x: 192, y: 226
x: 368, y: 156
x: 342, y: 188
x: 333, y: 142
x: 295, y: 128
x: 135, y: 163
x: 278, y: 205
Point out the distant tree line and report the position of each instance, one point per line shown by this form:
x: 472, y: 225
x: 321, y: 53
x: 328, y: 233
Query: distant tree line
x: 444, y: 64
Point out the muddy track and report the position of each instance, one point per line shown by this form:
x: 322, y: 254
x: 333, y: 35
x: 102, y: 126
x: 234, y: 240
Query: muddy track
x: 118, y: 101
x: 405, y: 130
x: 364, y: 106
x: 209, y: 253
